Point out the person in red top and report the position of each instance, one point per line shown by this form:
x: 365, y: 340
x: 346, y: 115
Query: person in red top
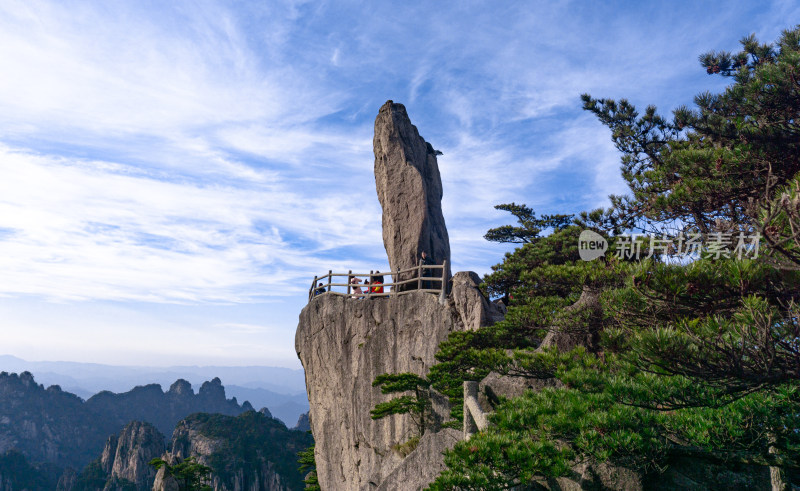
x: 377, y: 283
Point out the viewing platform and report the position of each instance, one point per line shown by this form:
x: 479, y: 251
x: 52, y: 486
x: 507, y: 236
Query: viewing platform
x: 426, y: 278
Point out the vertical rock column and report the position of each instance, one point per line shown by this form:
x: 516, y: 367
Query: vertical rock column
x: 410, y: 192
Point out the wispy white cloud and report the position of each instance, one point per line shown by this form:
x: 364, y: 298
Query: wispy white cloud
x: 88, y: 229
x: 203, y: 153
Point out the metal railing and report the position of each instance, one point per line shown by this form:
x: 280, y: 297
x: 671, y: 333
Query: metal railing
x: 474, y: 417
x: 418, y: 278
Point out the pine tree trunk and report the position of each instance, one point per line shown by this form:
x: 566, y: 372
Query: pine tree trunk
x: 777, y: 477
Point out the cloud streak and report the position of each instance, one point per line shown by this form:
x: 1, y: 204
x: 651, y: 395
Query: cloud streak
x: 203, y: 153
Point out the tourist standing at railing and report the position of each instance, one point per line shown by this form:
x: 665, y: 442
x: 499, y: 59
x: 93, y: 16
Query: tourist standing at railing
x: 319, y: 290
x: 424, y: 260
x: 377, y: 283
x: 356, y: 289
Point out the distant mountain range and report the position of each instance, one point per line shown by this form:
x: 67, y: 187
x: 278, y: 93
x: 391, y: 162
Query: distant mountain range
x: 51, y: 425
x: 281, y: 390
x: 52, y: 440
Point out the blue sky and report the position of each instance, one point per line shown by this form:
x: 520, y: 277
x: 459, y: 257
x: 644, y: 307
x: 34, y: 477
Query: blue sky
x: 175, y: 173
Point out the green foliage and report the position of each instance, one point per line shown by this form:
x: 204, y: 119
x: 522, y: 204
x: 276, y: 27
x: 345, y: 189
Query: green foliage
x: 529, y: 226
x: 308, y: 466
x: 190, y: 474
x: 696, y: 361
x: 250, y: 442
x: 400, y: 382
x: 403, y: 449
x: 91, y: 478
x: 417, y: 404
x: 709, y: 166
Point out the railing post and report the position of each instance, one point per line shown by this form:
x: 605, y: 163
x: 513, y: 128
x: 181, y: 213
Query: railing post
x: 349, y: 278
x: 330, y: 277
x: 313, y: 286
x: 395, y: 276
x: 470, y: 427
x: 369, y: 290
x: 442, y: 284
x: 419, y: 275
x: 474, y: 417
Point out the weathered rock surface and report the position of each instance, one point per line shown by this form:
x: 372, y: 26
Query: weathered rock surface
x: 67, y: 480
x: 250, y: 452
x: 567, y: 339
x: 422, y: 465
x: 344, y: 344
x: 470, y: 303
x: 410, y: 191
x: 127, y: 457
x: 165, y: 482
x: 303, y: 423
x: 48, y: 425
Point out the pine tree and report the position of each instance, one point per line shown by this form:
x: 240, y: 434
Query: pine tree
x: 308, y: 466
x: 417, y: 403
x: 529, y: 226
x: 190, y: 474
x: 697, y: 360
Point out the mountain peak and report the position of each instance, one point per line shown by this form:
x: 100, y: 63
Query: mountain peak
x: 181, y: 387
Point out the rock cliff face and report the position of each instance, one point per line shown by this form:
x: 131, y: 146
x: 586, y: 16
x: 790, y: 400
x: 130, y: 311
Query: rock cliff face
x: 126, y: 458
x: 410, y: 191
x: 250, y: 452
x: 48, y: 425
x: 303, y: 423
x: 344, y: 344
x: 123, y: 464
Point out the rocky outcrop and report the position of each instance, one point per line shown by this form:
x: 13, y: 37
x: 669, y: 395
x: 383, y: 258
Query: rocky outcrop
x: 123, y: 464
x: 180, y: 388
x: 422, y: 465
x: 165, y: 481
x: 469, y: 302
x: 679, y: 474
x: 410, y: 191
x: 250, y: 452
x: 48, y: 425
x: 344, y: 344
x: 66, y: 481
x: 125, y: 458
x: 303, y: 423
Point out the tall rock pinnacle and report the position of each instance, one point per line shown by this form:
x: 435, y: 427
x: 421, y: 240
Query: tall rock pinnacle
x: 409, y: 190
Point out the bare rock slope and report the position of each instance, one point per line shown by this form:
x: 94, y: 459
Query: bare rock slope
x: 344, y: 343
x: 125, y: 459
